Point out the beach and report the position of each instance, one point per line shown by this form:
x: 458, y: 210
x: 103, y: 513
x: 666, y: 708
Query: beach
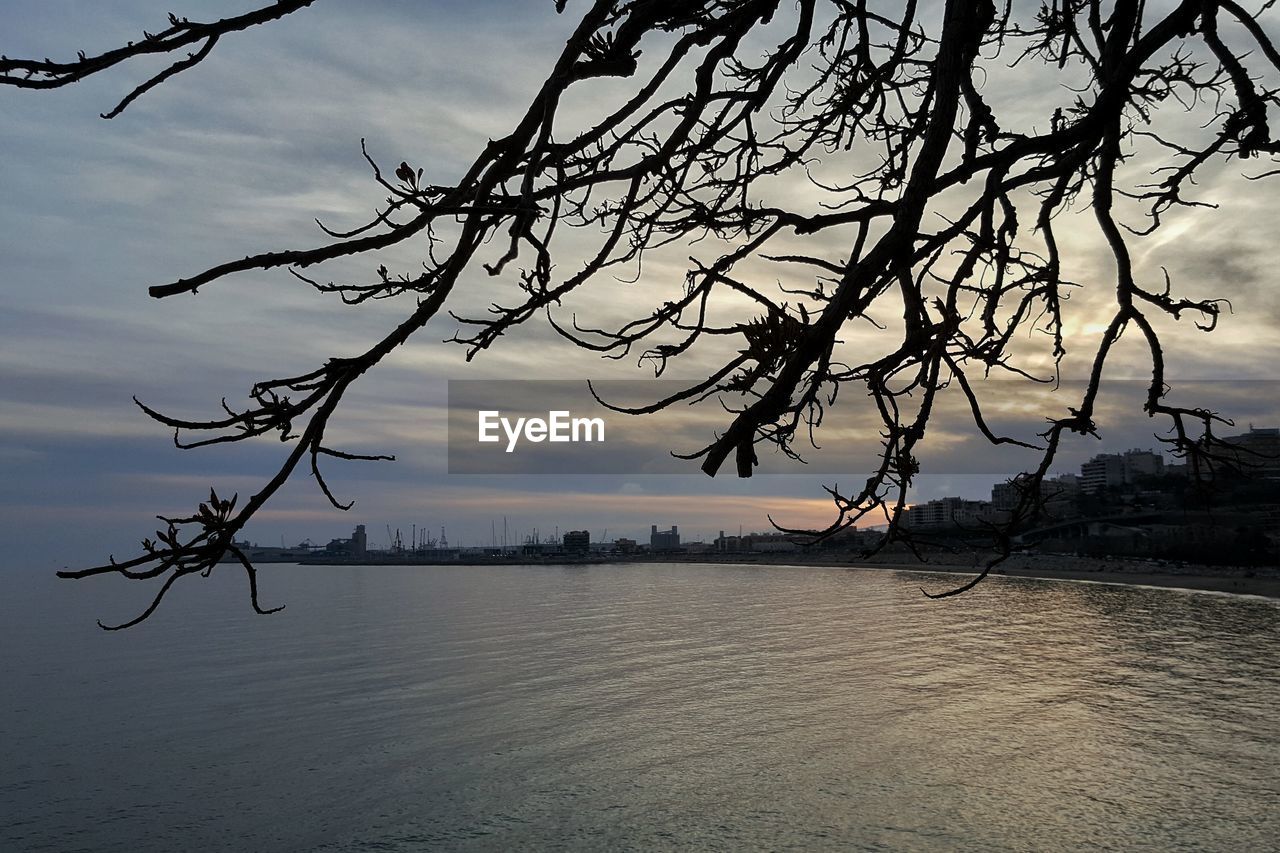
x: 1241, y: 580
x: 1254, y: 580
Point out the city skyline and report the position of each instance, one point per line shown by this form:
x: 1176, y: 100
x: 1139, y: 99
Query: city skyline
x: 513, y: 535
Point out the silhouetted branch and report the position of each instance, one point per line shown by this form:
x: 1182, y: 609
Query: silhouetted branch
x: 181, y: 33
x: 934, y: 209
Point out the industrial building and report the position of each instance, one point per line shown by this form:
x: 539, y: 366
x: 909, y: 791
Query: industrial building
x: 664, y: 540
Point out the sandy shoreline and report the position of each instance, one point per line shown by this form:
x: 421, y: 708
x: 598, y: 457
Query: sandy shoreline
x: 1240, y: 580
x: 1264, y: 582
x: 1240, y: 585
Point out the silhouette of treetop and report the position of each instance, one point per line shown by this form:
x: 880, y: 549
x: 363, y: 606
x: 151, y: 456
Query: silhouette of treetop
x: 921, y: 209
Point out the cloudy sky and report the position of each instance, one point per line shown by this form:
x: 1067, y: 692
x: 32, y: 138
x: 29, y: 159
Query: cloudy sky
x: 240, y: 154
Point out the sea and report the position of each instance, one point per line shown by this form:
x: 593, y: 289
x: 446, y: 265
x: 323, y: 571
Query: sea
x: 635, y: 707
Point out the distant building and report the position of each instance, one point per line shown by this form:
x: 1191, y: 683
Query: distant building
x: 1006, y: 496
x: 356, y: 546
x: 1061, y: 494
x: 947, y: 512
x: 1101, y: 472
x: 772, y: 543
x: 1137, y: 464
x: 756, y: 542
x: 1057, y: 495
x: 577, y: 542
x: 728, y: 543
x: 1258, y: 452
x: 1111, y: 470
x: 664, y: 540
x: 624, y: 546
x: 1068, y: 484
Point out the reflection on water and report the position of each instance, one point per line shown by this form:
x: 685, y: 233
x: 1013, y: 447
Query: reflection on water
x: 638, y: 707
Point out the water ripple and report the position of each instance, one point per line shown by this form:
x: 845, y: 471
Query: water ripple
x: 639, y: 708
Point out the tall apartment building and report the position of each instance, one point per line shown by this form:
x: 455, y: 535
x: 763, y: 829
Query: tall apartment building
x: 1057, y: 492
x: 1258, y: 452
x: 577, y: 542
x: 946, y: 512
x: 1108, y: 470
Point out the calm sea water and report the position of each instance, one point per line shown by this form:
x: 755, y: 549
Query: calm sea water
x: 636, y: 708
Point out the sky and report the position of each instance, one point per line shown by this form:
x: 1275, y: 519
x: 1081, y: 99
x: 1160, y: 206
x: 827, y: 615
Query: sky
x: 242, y: 153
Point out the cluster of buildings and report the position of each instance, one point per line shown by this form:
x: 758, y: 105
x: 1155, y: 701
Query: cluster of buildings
x: 1133, y: 496
x: 1136, y: 503
x: 668, y: 541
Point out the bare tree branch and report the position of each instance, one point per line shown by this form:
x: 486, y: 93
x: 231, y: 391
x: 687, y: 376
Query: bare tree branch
x: 181, y: 32
x: 945, y: 217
